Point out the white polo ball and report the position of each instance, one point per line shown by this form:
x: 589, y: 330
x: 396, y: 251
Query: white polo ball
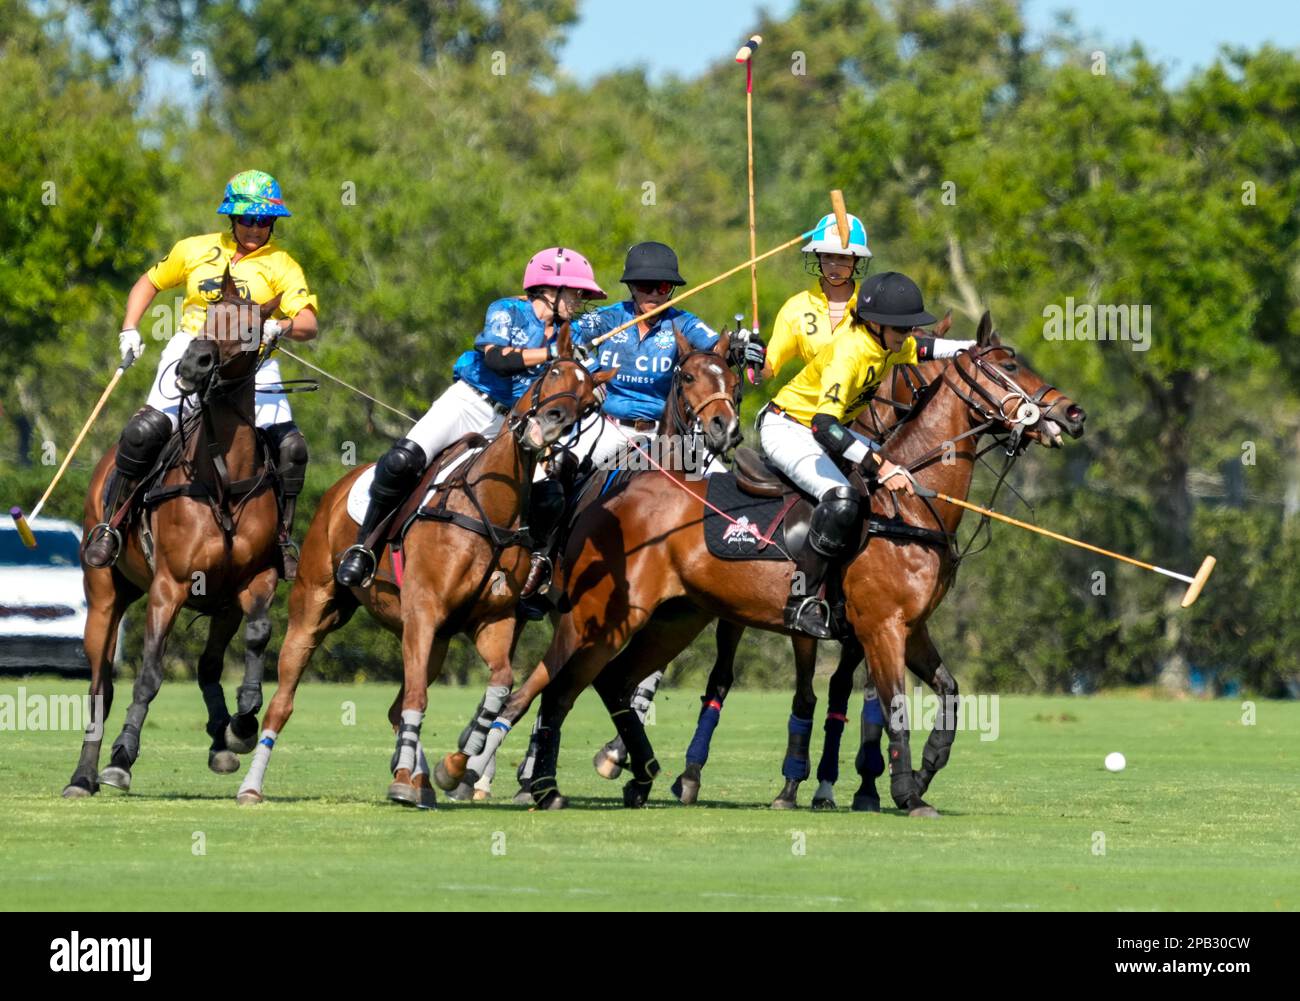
x: 1115, y: 762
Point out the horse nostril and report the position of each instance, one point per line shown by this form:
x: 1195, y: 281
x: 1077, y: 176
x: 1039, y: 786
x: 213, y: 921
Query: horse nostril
x: 555, y: 416
x: 1075, y: 413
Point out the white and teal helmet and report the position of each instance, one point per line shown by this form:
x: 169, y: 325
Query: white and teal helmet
x: 826, y: 238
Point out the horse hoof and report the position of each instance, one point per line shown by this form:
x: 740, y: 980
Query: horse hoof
x: 607, y: 766
x: 77, y: 790
x: 117, y: 778
x: 523, y: 797
x: 686, y: 790
x: 249, y: 797
x: 404, y: 794
x: 481, y: 795
x: 462, y: 792
x: 428, y: 799
x: 635, y: 794
x: 866, y: 804
x: 552, y: 800
x: 924, y: 810
x: 223, y: 762
x: 450, y: 771
x: 238, y: 744
x: 824, y: 804
x: 784, y: 804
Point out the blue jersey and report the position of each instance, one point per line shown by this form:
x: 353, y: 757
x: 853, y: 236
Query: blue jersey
x: 644, y: 364
x: 510, y: 323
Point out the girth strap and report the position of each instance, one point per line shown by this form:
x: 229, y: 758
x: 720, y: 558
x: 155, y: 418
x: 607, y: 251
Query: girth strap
x: 899, y: 529
x: 500, y: 537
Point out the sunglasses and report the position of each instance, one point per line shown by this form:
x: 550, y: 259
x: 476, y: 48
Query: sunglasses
x: 652, y: 288
x: 254, y: 221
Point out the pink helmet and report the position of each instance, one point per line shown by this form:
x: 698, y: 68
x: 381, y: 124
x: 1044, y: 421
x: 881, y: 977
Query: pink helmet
x: 560, y: 268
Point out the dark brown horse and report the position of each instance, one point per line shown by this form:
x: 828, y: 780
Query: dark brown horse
x: 639, y: 559
x: 463, y: 573
x: 211, y: 523
x: 701, y: 409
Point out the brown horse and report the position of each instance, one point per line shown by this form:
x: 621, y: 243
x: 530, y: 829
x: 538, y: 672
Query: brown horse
x: 639, y: 558
x: 211, y: 524
x: 701, y: 408
x: 464, y: 569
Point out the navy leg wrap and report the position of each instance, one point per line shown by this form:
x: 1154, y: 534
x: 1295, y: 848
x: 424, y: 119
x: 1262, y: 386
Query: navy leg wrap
x: 828, y: 768
x: 870, y: 762
x: 698, y: 752
x: 796, y: 767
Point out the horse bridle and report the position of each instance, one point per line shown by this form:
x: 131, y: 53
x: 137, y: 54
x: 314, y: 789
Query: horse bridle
x: 687, y: 421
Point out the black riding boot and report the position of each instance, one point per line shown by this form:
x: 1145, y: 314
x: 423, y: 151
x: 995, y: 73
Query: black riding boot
x: 546, y: 504
x: 291, y: 462
x: 137, y: 450
x: 396, y: 475
x: 830, y: 536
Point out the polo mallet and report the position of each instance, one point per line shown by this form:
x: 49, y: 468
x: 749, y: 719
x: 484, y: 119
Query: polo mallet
x: 1194, y: 583
x: 746, y: 55
x: 16, y: 512
x: 841, y: 222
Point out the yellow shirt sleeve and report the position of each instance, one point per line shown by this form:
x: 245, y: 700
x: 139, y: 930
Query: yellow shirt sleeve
x: 784, y: 344
x: 841, y: 377
x: 293, y: 284
x: 174, y: 268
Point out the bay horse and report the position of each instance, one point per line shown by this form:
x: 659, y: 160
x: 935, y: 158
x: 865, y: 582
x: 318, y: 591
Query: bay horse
x: 702, y: 407
x: 465, y: 561
x: 639, y: 559
x: 206, y: 540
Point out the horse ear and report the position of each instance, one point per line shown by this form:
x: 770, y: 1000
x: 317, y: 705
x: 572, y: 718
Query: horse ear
x: 943, y: 326
x: 564, y: 341
x: 604, y: 375
x: 229, y: 290
x: 723, y: 345
x: 984, y: 335
x: 683, y: 345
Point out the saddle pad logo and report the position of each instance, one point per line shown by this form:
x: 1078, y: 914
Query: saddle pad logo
x: 743, y: 532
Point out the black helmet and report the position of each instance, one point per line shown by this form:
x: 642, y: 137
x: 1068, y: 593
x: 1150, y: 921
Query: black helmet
x: 893, y: 300
x: 652, y: 262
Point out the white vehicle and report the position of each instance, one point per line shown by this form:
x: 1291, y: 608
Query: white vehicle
x: 42, y: 602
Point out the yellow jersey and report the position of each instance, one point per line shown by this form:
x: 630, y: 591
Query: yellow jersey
x: 199, y: 262
x: 803, y: 327
x: 842, y: 377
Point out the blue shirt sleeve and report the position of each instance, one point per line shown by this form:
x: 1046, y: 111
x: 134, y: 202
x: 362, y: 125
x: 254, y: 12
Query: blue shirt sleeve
x: 496, y: 327
x: 700, y: 335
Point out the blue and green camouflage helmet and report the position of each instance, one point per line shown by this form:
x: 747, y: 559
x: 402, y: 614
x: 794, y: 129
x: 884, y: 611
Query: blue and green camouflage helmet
x: 253, y: 192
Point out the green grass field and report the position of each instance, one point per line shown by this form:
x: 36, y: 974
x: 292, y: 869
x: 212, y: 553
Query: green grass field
x: 1207, y: 815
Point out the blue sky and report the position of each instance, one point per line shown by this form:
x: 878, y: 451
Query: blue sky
x: 684, y: 36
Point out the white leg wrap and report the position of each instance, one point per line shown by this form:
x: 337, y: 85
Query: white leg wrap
x: 479, y: 763
x: 421, y: 762
x: 408, y: 739
x: 257, y: 768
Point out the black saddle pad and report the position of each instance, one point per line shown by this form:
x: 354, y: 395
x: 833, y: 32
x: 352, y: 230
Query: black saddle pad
x: 753, y: 517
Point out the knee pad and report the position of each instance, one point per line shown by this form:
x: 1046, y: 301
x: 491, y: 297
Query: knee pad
x: 143, y: 438
x: 398, y: 471
x: 833, y: 521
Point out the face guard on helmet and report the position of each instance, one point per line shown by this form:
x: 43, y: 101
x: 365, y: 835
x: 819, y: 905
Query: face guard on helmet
x: 826, y: 240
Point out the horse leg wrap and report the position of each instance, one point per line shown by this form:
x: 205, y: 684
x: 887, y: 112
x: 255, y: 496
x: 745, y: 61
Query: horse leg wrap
x: 408, y: 738
x: 218, y: 715
x: 698, y: 752
x: 640, y: 753
x: 828, y: 768
x: 474, y: 737
x: 645, y: 694
x: 548, y: 750
x: 795, y: 768
x: 496, y: 734
x: 529, y: 764
x: 421, y: 762
x: 127, y: 745
x: 250, y: 696
x: 870, y: 763
x: 902, y: 780
x: 261, y: 758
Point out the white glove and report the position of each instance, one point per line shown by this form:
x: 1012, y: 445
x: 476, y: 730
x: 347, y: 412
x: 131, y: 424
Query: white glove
x: 129, y: 343
x: 271, y: 330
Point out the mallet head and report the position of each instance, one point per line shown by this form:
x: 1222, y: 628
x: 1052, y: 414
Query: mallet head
x: 24, y: 529
x: 1198, y: 582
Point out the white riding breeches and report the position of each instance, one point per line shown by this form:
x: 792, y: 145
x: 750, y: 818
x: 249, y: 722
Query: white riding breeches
x: 791, y: 448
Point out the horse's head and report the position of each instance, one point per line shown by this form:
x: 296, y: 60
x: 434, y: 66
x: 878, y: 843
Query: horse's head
x: 1002, y: 389
x: 705, y: 396
x: 229, y: 344
x: 562, y: 395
